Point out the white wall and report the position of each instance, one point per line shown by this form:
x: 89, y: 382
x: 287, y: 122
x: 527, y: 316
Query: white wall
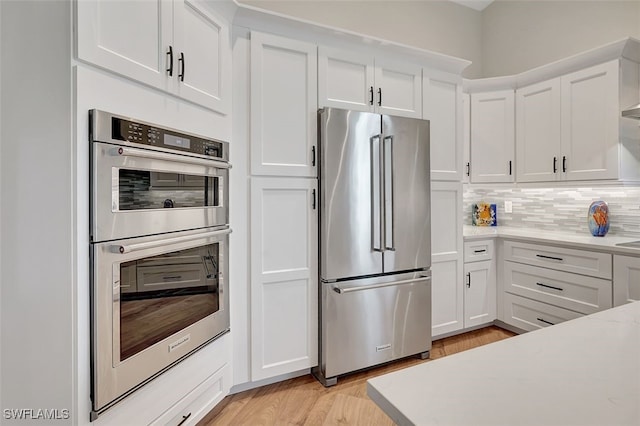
x: 519, y: 35
x: 440, y: 26
x: 37, y: 369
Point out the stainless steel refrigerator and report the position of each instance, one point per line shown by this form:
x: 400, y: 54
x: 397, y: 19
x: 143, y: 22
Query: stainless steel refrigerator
x: 375, y: 241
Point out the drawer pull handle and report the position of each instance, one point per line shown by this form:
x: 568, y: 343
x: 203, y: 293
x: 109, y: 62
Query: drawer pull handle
x: 559, y: 259
x: 184, y: 419
x: 550, y: 286
x: 480, y: 251
x: 545, y: 321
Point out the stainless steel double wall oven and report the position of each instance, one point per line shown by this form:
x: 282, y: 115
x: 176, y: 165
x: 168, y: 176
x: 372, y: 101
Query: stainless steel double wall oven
x: 159, y: 235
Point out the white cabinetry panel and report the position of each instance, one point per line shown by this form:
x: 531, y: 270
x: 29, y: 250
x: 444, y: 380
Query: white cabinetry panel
x: 466, y: 137
x: 283, y: 106
x: 345, y: 79
x: 399, y: 88
x: 590, y: 114
x: 626, y: 279
x: 179, y: 46
x: 442, y: 97
x: 284, y: 287
x: 446, y: 249
x: 492, y: 136
x: 480, y: 293
x: 538, y: 132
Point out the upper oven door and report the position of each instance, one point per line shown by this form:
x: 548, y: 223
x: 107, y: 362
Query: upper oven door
x: 136, y: 192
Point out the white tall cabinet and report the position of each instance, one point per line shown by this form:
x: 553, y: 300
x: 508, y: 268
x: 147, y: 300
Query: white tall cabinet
x: 283, y: 205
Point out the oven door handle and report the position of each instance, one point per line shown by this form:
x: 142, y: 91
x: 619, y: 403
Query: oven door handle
x: 156, y: 155
x: 124, y: 249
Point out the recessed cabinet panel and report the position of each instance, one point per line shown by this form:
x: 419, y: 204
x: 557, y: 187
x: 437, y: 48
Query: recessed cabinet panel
x: 284, y: 276
x: 480, y: 293
x: 105, y: 30
x: 466, y: 138
x: 590, y: 112
x: 538, y: 132
x: 283, y: 106
x: 345, y: 80
x: 441, y: 106
x: 492, y: 136
x: 399, y: 89
x: 447, y: 297
x: 530, y: 315
x: 445, y: 221
x: 626, y: 279
x: 203, y: 43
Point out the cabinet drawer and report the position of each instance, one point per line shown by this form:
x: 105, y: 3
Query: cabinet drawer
x: 193, y: 407
x: 476, y: 251
x: 576, y: 292
x: 530, y: 315
x: 562, y: 259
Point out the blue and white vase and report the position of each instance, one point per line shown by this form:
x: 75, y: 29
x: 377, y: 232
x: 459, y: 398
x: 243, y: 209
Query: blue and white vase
x: 598, y: 218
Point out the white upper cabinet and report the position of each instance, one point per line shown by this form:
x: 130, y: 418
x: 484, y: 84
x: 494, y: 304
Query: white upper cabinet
x: 442, y: 106
x: 179, y: 46
x: 538, y: 151
x: 590, y: 117
x: 466, y: 137
x: 492, y: 136
x: 283, y: 106
x: 360, y: 82
x: 569, y: 127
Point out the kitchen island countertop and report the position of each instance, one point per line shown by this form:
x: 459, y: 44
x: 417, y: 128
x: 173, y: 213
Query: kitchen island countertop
x: 580, y: 372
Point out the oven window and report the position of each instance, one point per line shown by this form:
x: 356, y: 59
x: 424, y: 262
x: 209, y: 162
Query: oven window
x: 142, y: 189
x: 161, y: 295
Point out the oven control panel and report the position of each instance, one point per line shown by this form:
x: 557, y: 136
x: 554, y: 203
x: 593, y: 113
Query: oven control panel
x: 123, y: 129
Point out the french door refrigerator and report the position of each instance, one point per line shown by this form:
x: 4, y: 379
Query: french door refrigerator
x: 375, y: 241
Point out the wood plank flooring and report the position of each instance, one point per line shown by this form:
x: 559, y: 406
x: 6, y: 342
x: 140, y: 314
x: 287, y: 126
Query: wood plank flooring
x: 304, y: 401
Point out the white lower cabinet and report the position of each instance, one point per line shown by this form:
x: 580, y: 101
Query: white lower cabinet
x: 626, y: 279
x: 479, y: 284
x: 447, y: 267
x: 544, y: 285
x: 284, y: 276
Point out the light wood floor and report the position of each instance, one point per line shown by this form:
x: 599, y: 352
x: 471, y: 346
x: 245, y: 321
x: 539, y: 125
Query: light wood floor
x: 304, y: 401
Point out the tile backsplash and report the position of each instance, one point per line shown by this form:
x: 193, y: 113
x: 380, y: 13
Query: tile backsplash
x: 561, y: 209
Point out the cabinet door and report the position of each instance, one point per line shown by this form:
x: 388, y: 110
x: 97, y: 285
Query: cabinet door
x: 284, y: 276
x: 626, y: 279
x: 466, y: 138
x: 202, y: 56
x: 492, y: 136
x: 479, y: 293
x: 538, y: 132
x: 441, y: 101
x: 398, y: 88
x: 590, y: 119
x: 345, y: 80
x: 283, y: 106
x: 128, y: 38
x: 446, y: 248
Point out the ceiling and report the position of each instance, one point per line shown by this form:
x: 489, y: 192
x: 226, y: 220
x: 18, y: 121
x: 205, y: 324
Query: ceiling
x: 474, y: 4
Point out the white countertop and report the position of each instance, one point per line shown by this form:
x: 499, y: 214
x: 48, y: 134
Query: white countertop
x: 580, y: 372
x: 606, y: 243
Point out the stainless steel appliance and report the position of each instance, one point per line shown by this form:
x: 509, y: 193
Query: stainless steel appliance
x: 159, y: 251
x: 146, y: 179
x: 375, y: 241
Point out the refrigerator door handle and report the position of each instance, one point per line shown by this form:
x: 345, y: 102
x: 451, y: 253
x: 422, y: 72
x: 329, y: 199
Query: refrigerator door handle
x: 350, y: 289
x: 388, y: 213
x: 376, y: 219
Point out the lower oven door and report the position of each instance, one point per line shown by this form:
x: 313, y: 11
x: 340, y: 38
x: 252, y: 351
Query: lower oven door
x: 137, y: 192
x: 154, y: 301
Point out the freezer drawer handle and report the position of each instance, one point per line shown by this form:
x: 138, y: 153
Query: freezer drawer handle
x: 156, y: 155
x: 124, y: 249
x: 350, y: 289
